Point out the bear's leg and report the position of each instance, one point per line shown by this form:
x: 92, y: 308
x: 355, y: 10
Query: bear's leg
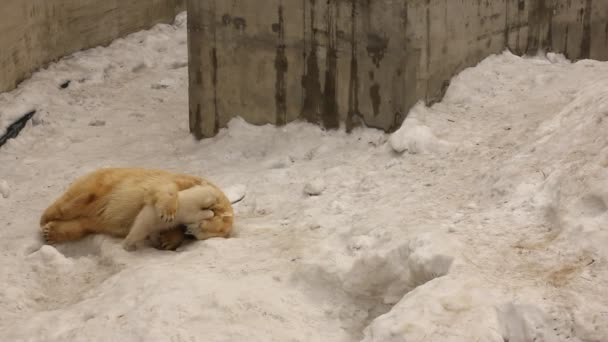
x: 164, y: 199
x: 68, y: 207
x: 145, y: 223
x: 60, y: 231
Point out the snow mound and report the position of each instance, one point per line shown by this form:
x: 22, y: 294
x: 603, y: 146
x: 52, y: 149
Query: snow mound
x: 432, y: 311
x: 415, y: 137
x: 375, y: 273
x: 202, y: 303
x: 315, y: 187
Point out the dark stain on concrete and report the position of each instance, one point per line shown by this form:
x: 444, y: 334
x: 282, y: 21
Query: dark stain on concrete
x: 280, y: 65
x: 330, y: 116
x: 374, y: 94
x: 311, y: 85
x: 428, y: 44
x: 353, y: 83
x: 195, y: 122
x: 566, y: 37
x: 586, y: 39
x: 507, y: 26
x: 226, y: 19
x: 540, y: 18
x: 376, y: 47
x: 521, y: 8
x: 214, y: 70
x: 216, y: 121
x: 239, y: 23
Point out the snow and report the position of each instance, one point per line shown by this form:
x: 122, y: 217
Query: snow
x: 5, y: 190
x: 416, y: 138
x: 492, y: 227
x: 315, y: 187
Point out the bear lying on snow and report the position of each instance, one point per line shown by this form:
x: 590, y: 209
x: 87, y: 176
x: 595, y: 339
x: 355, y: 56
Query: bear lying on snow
x: 108, y: 201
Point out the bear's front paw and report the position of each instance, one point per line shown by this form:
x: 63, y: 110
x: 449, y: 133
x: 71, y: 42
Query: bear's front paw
x: 166, y: 211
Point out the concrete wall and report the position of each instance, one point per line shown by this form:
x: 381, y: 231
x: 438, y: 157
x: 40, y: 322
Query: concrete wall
x: 331, y: 61
x: 36, y: 32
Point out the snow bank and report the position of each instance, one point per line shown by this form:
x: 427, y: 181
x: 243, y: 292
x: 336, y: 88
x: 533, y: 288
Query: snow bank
x: 415, y: 137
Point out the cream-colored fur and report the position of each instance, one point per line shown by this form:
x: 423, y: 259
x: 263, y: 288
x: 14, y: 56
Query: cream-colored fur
x: 107, y: 201
x: 193, y: 207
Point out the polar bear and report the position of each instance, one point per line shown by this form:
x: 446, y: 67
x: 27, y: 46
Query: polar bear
x: 192, y: 208
x: 108, y: 200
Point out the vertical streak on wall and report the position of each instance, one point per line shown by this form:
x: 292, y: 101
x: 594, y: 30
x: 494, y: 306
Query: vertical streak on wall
x: 353, y: 83
x: 428, y: 49
x: 586, y: 40
x: 330, y: 114
x: 412, y: 63
x: 507, y: 25
x: 304, y: 51
x: 214, y: 66
x: 280, y: 65
x: 566, y: 36
x: 521, y: 4
x: 311, y: 108
x: 400, y: 86
x: 539, y: 21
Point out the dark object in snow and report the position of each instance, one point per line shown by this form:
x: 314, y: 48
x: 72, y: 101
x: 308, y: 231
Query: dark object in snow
x: 158, y: 86
x: 13, y: 130
x: 97, y: 123
x: 65, y: 84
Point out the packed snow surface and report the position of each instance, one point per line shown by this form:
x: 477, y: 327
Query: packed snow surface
x: 484, y: 218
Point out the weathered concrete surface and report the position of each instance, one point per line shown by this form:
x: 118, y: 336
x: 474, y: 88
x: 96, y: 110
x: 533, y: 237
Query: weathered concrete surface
x: 354, y: 61
x: 35, y: 32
